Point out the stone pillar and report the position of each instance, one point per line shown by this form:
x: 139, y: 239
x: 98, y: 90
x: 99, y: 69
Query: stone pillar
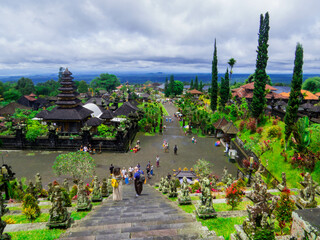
x: 86, y: 137
x: 53, y: 138
x: 19, y: 137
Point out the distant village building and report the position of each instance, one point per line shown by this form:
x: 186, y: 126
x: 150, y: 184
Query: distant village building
x: 11, y: 108
x: 32, y: 101
x: 195, y: 92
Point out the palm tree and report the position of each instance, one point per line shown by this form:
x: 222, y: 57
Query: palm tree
x: 231, y: 63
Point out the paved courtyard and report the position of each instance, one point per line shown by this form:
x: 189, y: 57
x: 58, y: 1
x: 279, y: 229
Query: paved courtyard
x: 28, y: 163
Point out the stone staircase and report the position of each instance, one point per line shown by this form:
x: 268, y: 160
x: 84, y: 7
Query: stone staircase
x: 149, y: 216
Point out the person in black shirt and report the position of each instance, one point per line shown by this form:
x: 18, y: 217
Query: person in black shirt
x: 111, y: 169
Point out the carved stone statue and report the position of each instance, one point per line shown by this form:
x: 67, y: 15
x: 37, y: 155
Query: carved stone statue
x: 3, y: 207
x: 172, y: 189
x: 104, y: 188
x: 96, y: 193
x: 59, y: 215
x: 184, y: 197
x: 161, y: 184
x: 32, y: 190
x: 66, y: 185
x: 204, y: 208
x: 229, y: 180
x: 283, y: 184
x: 306, y: 198
x: 38, y: 185
x: 83, y: 202
x: 224, y: 177
x: 3, y: 236
x: 165, y: 188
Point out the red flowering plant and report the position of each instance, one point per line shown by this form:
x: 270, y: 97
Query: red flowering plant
x: 234, y: 194
x: 284, y: 209
x: 246, y: 164
x: 252, y: 125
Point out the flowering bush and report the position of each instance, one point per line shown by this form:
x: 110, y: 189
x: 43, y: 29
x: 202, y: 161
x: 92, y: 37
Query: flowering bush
x: 284, y: 208
x: 234, y: 194
x: 195, y: 187
x: 252, y: 126
x: 246, y: 164
x: 307, y: 160
x: 259, y: 130
x: 241, y: 125
x: 30, y: 207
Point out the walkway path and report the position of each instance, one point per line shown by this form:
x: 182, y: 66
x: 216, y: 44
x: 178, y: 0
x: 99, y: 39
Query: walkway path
x: 28, y: 163
x: 150, y: 216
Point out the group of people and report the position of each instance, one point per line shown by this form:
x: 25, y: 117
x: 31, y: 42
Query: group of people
x: 133, y: 174
x: 88, y: 149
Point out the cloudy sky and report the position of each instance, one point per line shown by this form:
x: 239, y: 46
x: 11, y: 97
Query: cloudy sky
x: 151, y: 36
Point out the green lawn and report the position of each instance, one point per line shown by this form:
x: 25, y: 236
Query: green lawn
x: 195, y: 198
x: 44, y: 217
x: 164, y: 110
x: 43, y: 234
x: 173, y: 199
x: 20, y: 208
x: 187, y: 208
x: 222, y: 226
x: 221, y: 207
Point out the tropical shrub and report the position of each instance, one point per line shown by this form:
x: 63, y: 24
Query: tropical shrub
x: 106, y: 131
x: 80, y: 165
x: 273, y: 131
x: 74, y: 191
x: 241, y: 125
x: 252, y: 126
x: 259, y: 130
x: 202, y: 168
x: 35, y: 129
x: 234, y: 195
x: 284, y: 209
x: 30, y: 207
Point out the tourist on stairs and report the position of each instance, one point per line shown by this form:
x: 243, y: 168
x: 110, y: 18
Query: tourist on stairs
x: 117, y: 184
x: 139, y: 179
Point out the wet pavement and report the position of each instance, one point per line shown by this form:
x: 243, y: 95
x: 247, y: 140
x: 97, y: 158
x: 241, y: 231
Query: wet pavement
x: 28, y: 163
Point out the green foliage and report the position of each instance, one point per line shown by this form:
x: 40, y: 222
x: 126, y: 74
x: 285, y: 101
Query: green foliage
x: 196, y: 186
x: 173, y: 88
x: 35, y: 129
x: 294, y: 99
x: 234, y: 195
x: 301, y: 134
x: 196, y: 83
x: 12, y: 95
x: 252, y: 78
x: 44, y: 234
x: 315, y: 138
x: 83, y: 87
x: 231, y: 63
x: 225, y: 89
x: 105, y: 81
x: 25, y: 86
x: 48, y: 88
x: 264, y: 234
x: 312, y: 84
x: 202, y: 168
x: 166, y: 87
x: 30, y: 207
x: 106, y: 131
x: 284, y: 209
x: 80, y: 165
x: 66, y: 197
x: 259, y: 92
x: 74, y: 191
x: 152, y: 117
x: 273, y: 131
x: 214, y: 81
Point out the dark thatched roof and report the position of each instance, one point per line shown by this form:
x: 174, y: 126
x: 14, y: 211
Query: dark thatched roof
x: 77, y: 113
x: 11, y: 108
x: 220, y: 123
x: 281, y: 103
x: 42, y: 114
x: 314, y: 109
x: 107, y: 114
x: 93, y: 122
x: 306, y: 105
x: 125, y: 109
x: 229, y: 128
x: 187, y: 174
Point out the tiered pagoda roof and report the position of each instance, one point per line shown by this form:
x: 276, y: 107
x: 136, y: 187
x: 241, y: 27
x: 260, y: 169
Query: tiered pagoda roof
x: 69, y: 107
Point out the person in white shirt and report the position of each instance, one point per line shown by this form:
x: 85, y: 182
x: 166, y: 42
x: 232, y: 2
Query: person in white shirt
x: 124, y: 171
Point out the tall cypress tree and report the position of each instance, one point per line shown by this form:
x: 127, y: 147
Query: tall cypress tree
x: 171, y: 85
x: 166, y: 88
x: 191, y: 84
x: 259, y: 92
x: 201, y: 86
x: 214, y: 81
x: 225, y: 89
x: 295, y: 92
x: 196, y: 83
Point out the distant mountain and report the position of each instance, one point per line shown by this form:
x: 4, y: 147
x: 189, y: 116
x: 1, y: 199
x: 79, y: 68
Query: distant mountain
x: 153, y: 77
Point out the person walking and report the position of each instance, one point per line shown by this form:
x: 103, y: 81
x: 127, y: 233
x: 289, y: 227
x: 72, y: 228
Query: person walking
x: 130, y: 170
x: 151, y: 170
x: 175, y: 149
x: 138, y: 181
x: 124, y: 172
x: 117, y: 184
x: 148, y: 168
x: 111, y: 169
x: 158, y: 161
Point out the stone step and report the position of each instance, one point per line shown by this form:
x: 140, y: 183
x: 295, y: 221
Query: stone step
x: 150, y: 216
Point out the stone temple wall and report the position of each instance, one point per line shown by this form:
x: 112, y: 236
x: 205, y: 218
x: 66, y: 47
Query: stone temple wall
x: 306, y: 224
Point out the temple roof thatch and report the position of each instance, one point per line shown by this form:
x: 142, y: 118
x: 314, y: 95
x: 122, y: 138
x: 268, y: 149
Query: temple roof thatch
x: 93, y: 122
x: 107, y: 114
x: 230, y: 128
x: 306, y: 105
x: 11, y: 108
x: 314, y: 109
x: 281, y: 103
x: 187, y: 174
x: 220, y: 123
x: 125, y: 109
x: 77, y: 113
x: 42, y: 114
